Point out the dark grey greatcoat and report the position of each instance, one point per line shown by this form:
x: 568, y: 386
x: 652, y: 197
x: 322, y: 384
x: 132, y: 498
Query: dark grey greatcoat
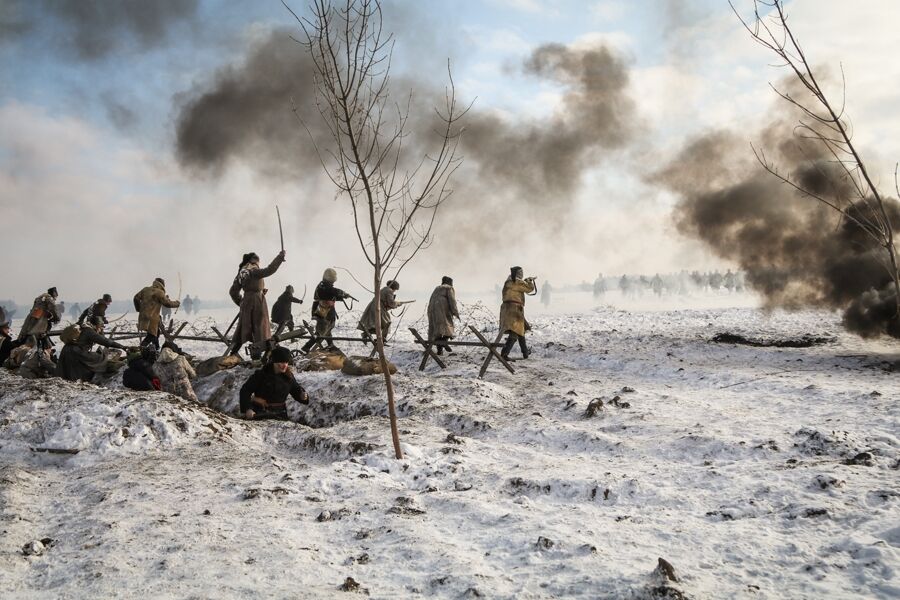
x: 388, y: 301
x: 441, y: 310
x: 253, y: 324
x: 78, y: 362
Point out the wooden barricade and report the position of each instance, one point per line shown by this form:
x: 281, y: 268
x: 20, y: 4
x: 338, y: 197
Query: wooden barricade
x: 428, y: 351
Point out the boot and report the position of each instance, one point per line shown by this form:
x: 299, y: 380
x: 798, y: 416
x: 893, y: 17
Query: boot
x: 523, y: 347
x: 510, y: 340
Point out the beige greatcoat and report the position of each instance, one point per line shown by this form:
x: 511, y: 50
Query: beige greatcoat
x: 441, y: 310
x: 512, y: 311
x: 151, y: 299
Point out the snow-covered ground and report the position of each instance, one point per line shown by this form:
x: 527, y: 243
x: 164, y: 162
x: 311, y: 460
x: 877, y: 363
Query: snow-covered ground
x: 743, y: 467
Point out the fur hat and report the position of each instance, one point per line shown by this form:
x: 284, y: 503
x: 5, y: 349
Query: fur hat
x: 281, y: 355
x: 52, y: 291
x: 249, y: 257
x: 106, y: 298
x: 516, y: 272
x: 330, y: 275
x: 289, y: 289
x: 393, y: 285
x: 446, y: 280
x: 161, y: 281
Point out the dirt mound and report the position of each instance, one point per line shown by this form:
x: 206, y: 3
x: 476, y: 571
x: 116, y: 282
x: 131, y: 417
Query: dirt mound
x: 804, y: 341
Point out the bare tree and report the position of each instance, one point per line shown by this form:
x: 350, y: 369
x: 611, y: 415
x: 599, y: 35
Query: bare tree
x: 394, y: 198
x: 825, y: 124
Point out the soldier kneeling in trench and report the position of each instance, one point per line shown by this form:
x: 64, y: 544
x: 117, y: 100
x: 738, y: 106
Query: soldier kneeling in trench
x: 264, y: 395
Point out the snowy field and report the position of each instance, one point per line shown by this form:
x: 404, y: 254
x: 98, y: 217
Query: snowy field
x: 755, y: 472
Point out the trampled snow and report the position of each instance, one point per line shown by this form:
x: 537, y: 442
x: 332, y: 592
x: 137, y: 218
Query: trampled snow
x: 755, y: 472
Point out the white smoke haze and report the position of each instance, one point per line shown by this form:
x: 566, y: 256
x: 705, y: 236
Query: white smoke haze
x: 108, y: 212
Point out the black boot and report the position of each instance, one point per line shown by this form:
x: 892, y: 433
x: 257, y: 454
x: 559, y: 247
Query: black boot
x: 523, y: 347
x: 510, y: 340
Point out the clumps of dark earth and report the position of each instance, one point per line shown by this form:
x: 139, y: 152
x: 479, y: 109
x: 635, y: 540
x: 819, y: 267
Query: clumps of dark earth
x: 664, y: 578
x: 804, y: 341
x: 544, y: 543
x: 351, y: 585
x: 38, y: 547
x: 406, y: 507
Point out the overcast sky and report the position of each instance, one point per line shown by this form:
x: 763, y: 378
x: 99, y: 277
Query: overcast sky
x: 105, y: 182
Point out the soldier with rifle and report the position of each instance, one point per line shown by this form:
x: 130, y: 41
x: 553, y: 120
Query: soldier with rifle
x: 512, y: 311
x: 149, y: 303
x: 97, y: 309
x: 323, y: 311
x: 388, y: 299
x: 44, y: 314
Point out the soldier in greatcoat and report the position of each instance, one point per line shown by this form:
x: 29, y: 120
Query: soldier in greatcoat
x: 281, y: 310
x: 248, y: 292
x: 388, y: 298
x: 44, y: 314
x: 512, y: 310
x: 149, y: 303
x: 441, y: 311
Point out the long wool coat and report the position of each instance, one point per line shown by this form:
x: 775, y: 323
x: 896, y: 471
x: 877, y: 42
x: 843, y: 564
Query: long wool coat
x: 388, y: 301
x: 441, y: 310
x: 253, y: 324
x: 150, y: 301
x: 77, y: 361
x: 43, y: 313
x: 512, y: 311
x: 175, y: 374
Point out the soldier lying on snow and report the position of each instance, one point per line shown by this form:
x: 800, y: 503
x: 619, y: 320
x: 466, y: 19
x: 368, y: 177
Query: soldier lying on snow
x: 264, y: 395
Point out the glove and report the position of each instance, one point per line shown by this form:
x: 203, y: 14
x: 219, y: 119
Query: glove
x: 156, y: 383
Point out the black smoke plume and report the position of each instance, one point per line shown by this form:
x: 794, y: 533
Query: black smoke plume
x: 243, y: 113
x: 796, y: 251
x: 94, y: 29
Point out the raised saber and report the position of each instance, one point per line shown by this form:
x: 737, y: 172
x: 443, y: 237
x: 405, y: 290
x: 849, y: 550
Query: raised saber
x: 178, y: 296
x: 280, y: 230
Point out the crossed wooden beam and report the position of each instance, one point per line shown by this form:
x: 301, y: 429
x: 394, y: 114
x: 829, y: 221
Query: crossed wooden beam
x: 483, y: 343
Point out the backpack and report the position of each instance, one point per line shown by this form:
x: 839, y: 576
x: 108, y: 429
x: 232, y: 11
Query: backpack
x: 70, y: 334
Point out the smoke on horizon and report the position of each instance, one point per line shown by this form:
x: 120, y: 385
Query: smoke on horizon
x: 797, y: 252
